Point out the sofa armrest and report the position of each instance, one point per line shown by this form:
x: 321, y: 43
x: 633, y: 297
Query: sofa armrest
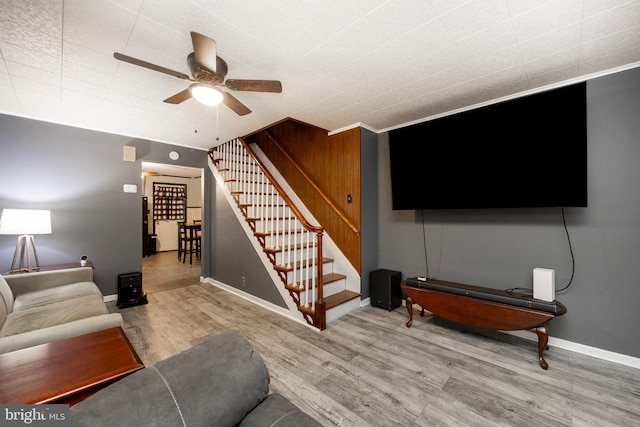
x: 29, y: 282
x: 215, y: 383
x: 59, y: 332
x: 277, y: 411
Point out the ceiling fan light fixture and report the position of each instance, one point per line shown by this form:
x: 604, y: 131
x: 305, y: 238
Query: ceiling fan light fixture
x: 205, y: 94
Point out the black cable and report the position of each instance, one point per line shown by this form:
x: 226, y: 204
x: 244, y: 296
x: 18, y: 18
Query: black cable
x: 573, y: 260
x: 424, y: 241
x: 526, y: 291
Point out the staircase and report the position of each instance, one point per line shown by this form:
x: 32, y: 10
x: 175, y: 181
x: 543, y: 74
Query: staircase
x: 293, y: 246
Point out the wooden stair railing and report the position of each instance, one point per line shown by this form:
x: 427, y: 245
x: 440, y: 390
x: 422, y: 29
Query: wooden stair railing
x: 262, y: 200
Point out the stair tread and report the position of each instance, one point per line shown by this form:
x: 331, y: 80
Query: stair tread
x: 278, y: 267
x: 326, y: 279
x: 280, y: 232
x: 253, y: 193
x: 340, y: 298
x: 297, y: 247
x: 270, y: 218
x: 255, y: 219
x: 332, y: 277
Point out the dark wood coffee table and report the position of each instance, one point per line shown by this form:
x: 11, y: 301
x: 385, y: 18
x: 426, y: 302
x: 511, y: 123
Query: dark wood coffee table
x: 66, y: 371
x: 482, y: 313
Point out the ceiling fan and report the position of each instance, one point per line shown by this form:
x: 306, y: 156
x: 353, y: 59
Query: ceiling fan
x: 208, y: 71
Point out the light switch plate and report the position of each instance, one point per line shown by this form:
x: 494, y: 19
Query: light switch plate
x: 130, y: 188
x: 129, y: 153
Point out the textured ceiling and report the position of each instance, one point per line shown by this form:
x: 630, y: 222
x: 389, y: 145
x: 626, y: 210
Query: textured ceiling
x: 341, y: 62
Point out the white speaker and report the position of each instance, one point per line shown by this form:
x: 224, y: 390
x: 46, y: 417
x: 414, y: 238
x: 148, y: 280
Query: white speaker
x: 544, y: 284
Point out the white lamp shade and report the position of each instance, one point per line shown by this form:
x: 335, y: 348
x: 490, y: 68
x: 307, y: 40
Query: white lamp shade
x: 206, y: 94
x: 25, y: 221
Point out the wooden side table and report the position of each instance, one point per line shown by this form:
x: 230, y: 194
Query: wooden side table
x: 481, y: 313
x: 66, y: 371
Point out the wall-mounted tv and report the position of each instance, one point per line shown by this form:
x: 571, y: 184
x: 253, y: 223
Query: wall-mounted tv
x: 525, y: 152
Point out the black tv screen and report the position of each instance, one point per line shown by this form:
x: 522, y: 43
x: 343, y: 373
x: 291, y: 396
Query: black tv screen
x: 525, y: 152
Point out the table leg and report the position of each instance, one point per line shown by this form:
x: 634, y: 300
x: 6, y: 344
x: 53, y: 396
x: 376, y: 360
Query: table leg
x: 543, y: 339
x: 191, y: 246
x: 409, y: 305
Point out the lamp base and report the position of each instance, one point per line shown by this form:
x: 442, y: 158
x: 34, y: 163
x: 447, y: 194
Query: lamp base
x: 25, y: 245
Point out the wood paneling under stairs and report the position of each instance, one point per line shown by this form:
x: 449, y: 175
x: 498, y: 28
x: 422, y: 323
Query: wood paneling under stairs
x: 368, y: 369
x: 333, y: 163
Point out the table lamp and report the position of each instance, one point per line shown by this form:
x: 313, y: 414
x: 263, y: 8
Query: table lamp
x: 25, y: 223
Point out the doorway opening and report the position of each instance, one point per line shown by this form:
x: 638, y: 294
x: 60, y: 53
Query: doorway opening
x: 171, y: 194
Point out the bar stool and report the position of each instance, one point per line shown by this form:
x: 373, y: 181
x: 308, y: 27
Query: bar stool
x: 198, y: 232
x: 189, y: 241
x: 180, y: 235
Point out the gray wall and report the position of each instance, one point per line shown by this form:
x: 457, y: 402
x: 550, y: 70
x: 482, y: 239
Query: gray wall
x: 79, y: 175
x: 369, y: 207
x: 232, y: 255
x: 500, y: 248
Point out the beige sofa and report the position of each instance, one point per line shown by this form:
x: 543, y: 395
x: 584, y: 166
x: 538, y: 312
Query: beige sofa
x: 41, y: 307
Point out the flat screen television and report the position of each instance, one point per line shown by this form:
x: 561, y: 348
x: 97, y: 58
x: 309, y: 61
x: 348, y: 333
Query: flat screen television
x: 525, y: 152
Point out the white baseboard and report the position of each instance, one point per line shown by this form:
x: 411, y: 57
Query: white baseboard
x: 112, y: 297
x: 599, y: 353
x: 255, y: 300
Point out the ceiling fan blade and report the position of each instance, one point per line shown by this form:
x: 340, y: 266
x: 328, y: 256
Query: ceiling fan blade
x: 179, y: 97
x: 238, y: 107
x: 205, y: 50
x: 150, y: 66
x: 255, y: 85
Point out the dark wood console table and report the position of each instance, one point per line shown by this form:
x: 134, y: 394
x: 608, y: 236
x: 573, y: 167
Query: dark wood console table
x: 482, y: 313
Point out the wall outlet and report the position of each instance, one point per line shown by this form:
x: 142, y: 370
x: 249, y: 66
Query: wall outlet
x: 244, y: 281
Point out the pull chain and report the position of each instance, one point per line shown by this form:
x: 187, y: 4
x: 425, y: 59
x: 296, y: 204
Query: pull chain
x: 195, y: 117
x: 217, y: 122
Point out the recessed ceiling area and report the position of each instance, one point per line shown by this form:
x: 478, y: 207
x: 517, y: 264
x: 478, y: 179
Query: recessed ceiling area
x: 380, y: 63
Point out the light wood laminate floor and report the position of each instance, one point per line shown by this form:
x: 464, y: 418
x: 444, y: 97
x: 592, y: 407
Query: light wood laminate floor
x: 368, y: 369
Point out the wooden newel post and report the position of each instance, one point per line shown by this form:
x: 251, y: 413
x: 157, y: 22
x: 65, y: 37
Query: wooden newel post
x: 321, y: 308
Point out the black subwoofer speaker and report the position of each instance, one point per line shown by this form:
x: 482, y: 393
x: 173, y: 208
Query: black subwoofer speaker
x: 130, y: 291
x: 385, y: 289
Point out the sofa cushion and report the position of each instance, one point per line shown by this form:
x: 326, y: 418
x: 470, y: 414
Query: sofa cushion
x: 37, y: 280
x: 6, y: 296
x: 57, y: 313
x: 3, y: 311
x: 215, y: 383
x: 59, y: 332
x: 46, y: 297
